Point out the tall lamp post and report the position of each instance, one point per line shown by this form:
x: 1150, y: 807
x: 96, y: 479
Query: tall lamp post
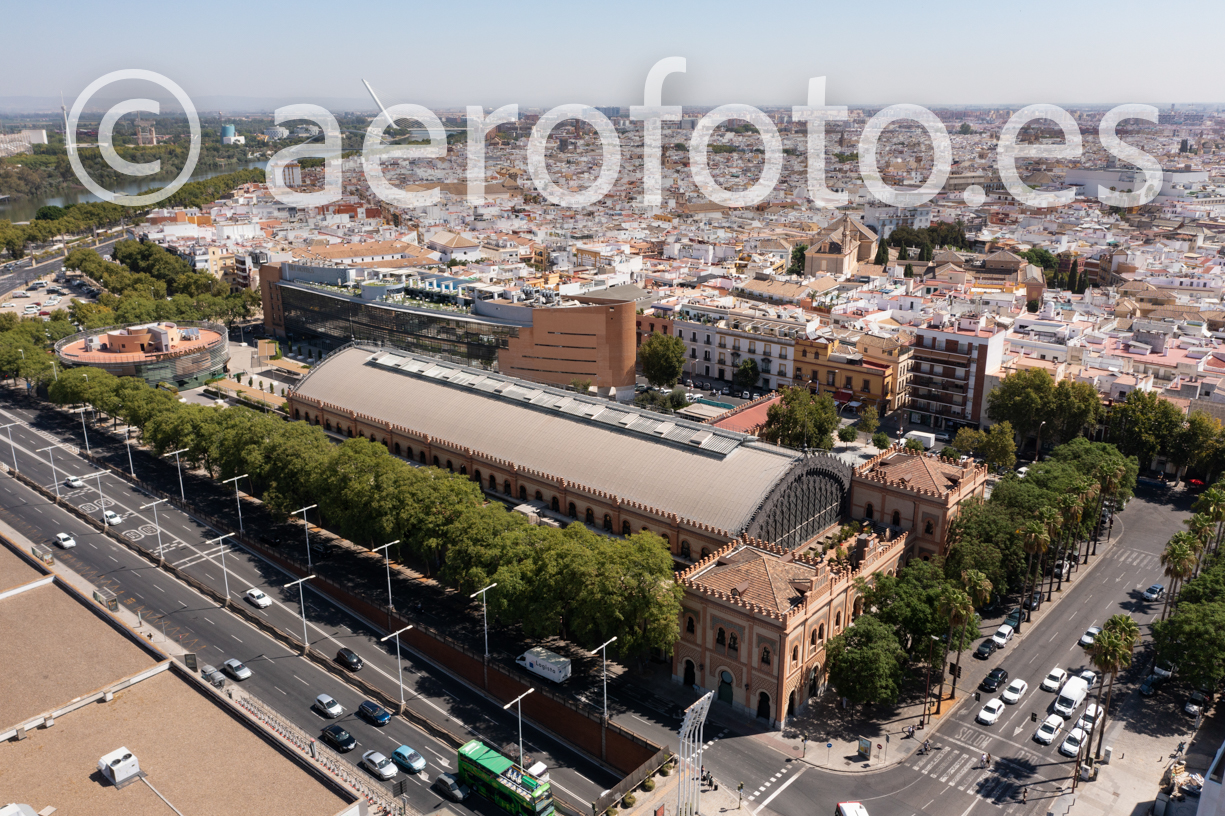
x: 225, y: 575
x: 131, y: 467
x: 160, y: 556
x: 84, y: 431
x: 54, y: 477
x: 11, y: 445
x: 517, y: 702
x: 603, y: 650
x: 306, y: 526
x: 102, y: 500
x: 386, y: 548
x: 237, y: 498
x: 927, y: 695
x: 179, y: 466
x: 302, y: 602
x: 399, y: 665
x: 484, y: 616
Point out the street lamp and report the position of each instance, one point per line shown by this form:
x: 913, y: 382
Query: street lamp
x: 484, y: 617
x: 11, y: 445
x: 237, y: 499
x: 175, y: 454
x: 157, y: 524
x: 54, y: 477
x: 603, y: 650
x: 84, y: 430
x: 927, y: 695
x: 387, y: 560
x: 131, y: 467
x: 102, y: 500
x: 302, y: 602
x: 399, y: 665
x: 519, y: 705
x: 307, y: 528
x: 225, y: 575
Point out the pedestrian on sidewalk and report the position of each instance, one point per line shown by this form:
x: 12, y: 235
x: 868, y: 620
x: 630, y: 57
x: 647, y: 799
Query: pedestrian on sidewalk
x: 1024, y: 795
x: 988, y: 760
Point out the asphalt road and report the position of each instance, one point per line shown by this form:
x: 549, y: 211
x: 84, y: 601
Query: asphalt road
x: 26, y: 271
x: 951, y: 779
x: 285, y: 681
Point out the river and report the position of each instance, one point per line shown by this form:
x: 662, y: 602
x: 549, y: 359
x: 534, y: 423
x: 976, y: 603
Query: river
x: 23, y: 209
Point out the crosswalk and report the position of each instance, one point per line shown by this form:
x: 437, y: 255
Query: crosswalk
x: 1135, y: 558
x: 767, y: 784
x: 963, y: 770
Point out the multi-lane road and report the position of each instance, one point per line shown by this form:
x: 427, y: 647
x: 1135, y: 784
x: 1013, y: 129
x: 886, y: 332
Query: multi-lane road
x: 281, y: 678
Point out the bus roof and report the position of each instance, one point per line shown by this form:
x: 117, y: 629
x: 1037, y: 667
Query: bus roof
x: 486, y: 757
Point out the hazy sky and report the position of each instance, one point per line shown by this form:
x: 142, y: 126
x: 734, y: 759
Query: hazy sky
x: 546, y: 53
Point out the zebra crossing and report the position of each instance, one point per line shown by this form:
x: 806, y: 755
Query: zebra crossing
x: 963, y: 770
x: 1136, y: 558
x: 749, y: 797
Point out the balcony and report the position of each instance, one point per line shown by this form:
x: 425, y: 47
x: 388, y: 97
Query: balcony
x: 932, y: 355
x: 938, y: 384
x: 935, y: 410
x: 936, y: 399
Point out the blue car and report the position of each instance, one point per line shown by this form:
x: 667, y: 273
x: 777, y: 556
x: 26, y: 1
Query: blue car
x: 374, y: 713
x: 408, y: 759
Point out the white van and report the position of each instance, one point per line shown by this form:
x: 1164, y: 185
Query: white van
x: 548, y: 665
x: 850, y: 809
x: 1071, y: 696
x: 927, y: 440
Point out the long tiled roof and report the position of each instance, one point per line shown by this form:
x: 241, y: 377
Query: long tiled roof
x: 706, y: 474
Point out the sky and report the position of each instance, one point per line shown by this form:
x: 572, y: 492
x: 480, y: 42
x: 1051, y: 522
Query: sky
x: 448, y: 55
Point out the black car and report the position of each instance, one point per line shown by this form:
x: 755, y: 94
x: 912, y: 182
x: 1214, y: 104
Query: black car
x: 995, y: 678
x: 450, y: 787
x: 985, y: 649
x: 1033, y: 602
x: 338, y: 738
x: 1151, y: 685
x: 349, y: 659
x: 1014, y: 618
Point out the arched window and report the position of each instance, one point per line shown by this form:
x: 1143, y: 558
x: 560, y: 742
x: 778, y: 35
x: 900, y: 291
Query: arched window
x: 795, y: 654
x: 590, y: 516
x: 645, y: 530
x: 868, y: 510
x: 733, y: 643
x: 450, y: 467
x: 423, y: 456
x: 397, y: 449
x: 897, y: 519
x: 316, y: 419
x: 476, y: 477
x: 720, y: 637
x: 360, y: 434
x: 493, y: 482
x: 821, y: 633
x: 408, y: 452
x: 349, y: 431
x: 607, y: 523
x: 705, y: 551
x: 328, y: 425
x: 573, y: 511
x: 539, y: 496
x: 685, y: 549
x: 522, y: 492
x: 556, y: 505
x: 295, y: 414
x: 765, y: 655
x: 436, y: 462
x: 506, y: 487
x: 689, y: 625
x: 463, y: 470
x: 838, y: 621
x: 929, y: 528
x: 626, y: 530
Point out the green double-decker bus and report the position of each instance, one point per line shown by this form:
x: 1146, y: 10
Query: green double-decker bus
x: 503, y: 782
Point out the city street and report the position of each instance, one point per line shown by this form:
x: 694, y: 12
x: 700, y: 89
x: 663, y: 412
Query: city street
x: 282, y: 679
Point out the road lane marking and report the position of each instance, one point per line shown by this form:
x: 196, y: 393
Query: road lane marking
x: 769, y: 798
x: 113, y: 558
x: 158, y: 588
x: 206, y: 618
x: 278, y: 689
x: 300, y: 680
x: 236, y: 637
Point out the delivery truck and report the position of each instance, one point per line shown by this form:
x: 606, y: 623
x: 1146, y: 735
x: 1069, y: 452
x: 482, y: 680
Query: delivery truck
x: 927, y: 440
x: 548, y: 665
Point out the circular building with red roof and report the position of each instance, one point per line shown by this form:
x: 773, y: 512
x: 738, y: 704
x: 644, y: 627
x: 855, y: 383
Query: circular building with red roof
x: 183, y: 355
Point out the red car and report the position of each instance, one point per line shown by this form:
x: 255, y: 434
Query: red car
x: 44, y: 314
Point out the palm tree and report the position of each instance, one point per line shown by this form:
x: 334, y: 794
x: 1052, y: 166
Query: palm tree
x: 1049, y: 517
x: 1202, y: 528
x: 1124, y: 626
x: 1108, y: 478
x: 1212, y: 504
x: 1178, y: 559
x: 1034, y: 540
x: 1110, y: 653
x: 958, y: 609
x: 977, y: 586
x: 1069, y: 513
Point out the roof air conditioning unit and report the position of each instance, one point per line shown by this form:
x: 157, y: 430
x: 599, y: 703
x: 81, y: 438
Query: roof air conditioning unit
x: 121, y: 767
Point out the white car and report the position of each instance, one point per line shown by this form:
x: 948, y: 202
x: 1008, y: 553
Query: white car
x: 991, y: 712
x: 1015, y: 689
x: 66, y: 541
x: 235, y: 668
x: 1071, y: 744
x: 1090, y: 677
x: 379, y: 765
x: 1090, y: 635
x: 1085, y: 723
x: 110, y: 517
x: 326, y: 705
x: 1049, y: 729
x: 74, y: 482
x: 1002, y: 636
x: 1054, y: 681
x: 1154, y: 593
x: 258, y: 598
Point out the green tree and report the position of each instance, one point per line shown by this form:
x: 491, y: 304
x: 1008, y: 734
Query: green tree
x: 581, y: 386
x: 865, y: 662
x: 1110, y: 653
x: 49, y: 212
x: 882, y: 254
x: 1194, y: 440
x: 801, y: 419
x: 965, y: 129
x: 1143, y: 425
x: 969, y: 440
x: 906, y: 602
x: 1194, y: 639
x: 909, y: 271
x: 1178, y: 561
x: 746, y: 374
x: 999, y: 447
x: 847, y: 434
x: 1021, y: 399
x: 1073, y: 278
x: 957, y: 609
x: 663, y: 359
x: 881, y: 440
x: 797, y: 259
x: 914, y: 445
x: 869, y: 420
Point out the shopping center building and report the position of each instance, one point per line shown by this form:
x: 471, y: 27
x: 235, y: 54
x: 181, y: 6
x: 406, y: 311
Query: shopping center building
x: 183, y: 355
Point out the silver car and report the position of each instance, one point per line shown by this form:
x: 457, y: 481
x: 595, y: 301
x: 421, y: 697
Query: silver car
x: 236, y: 669
x: 379, y: 765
